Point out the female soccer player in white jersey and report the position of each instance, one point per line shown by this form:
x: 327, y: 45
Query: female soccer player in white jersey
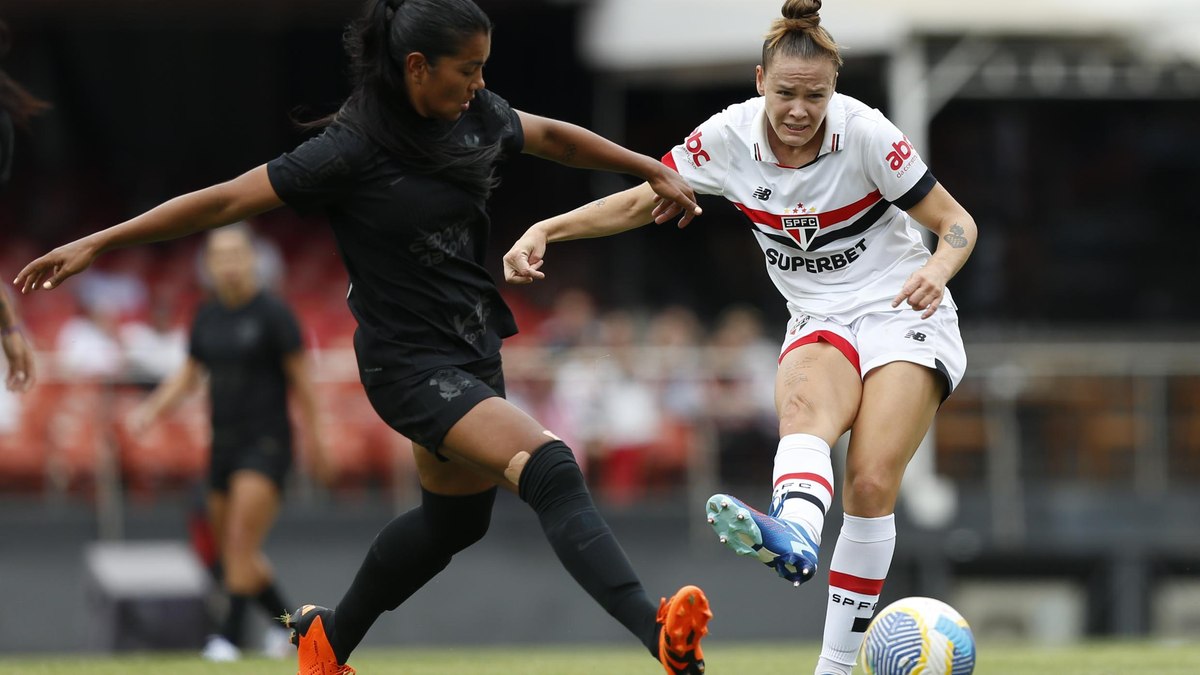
x: 832, y: 191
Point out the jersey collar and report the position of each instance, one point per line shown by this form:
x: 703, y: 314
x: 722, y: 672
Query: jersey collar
x: 835, y: 131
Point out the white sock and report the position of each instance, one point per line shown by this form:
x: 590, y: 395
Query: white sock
x: 802, y: 482
x: 860, y: 564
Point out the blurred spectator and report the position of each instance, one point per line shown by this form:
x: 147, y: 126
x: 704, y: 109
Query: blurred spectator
x: 676, y: 335
x: 741, y: 396
x: 530, y: 378
x: 114, y: 293
x: 154, y: 348
x: 572, y: 321
x: 87, y: 344
x: 619, y: 415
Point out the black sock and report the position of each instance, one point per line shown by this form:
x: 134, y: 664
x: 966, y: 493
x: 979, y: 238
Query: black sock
x: 236, y: 618
x: 405, y: 555
x: 271, y: 602
x: 553, y: 485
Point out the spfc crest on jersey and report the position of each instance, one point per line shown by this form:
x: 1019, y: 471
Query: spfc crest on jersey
x: 802, y: 228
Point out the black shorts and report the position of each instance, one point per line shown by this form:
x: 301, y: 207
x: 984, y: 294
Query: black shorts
x: 425, y: 405
x: 269, y: 455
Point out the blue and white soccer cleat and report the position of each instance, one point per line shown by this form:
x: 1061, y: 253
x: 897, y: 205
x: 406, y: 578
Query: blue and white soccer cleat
x: 780, y: 544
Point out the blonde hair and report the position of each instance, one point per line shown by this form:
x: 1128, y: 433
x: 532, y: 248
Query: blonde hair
x: 799, y: 33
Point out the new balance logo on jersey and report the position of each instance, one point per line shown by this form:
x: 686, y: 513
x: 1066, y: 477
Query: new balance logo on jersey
x: 914, y: 335
x: 693, y: 145
x: 902, y: 151
x: 762, y: 193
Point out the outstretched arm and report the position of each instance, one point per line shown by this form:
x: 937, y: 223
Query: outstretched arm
x: 613, y: 214
x: 222, y: 204
x: 16, y: 348
x: 573, y: 145
x: 956, y: 230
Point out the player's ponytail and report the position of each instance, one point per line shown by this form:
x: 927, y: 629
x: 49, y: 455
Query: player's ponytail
x: 798, y: 33
x: 15, y: 99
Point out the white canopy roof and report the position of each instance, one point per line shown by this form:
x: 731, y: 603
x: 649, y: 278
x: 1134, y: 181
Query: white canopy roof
x: 636, y: 35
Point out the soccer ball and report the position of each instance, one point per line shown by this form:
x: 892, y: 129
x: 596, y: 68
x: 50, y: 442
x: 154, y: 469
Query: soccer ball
x: 918, y: 635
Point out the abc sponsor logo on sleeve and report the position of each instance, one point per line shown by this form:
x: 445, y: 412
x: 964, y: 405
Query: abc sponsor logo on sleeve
x: 697, y: 151
x: 901, y: 156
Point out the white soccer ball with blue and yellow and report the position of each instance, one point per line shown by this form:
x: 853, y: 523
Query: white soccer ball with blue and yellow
x: 918, y: 636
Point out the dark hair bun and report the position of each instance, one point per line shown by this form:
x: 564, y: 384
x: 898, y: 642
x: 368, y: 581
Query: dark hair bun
x: 802, y: 10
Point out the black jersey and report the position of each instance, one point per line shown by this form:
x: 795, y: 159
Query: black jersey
x: 244, y: 349
x: 6, y: 148
x: 414, y: 245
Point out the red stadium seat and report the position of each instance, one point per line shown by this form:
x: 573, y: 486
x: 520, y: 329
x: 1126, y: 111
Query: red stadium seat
x: 76, y: 427
x: 172, y: 454
x: 365, y: 451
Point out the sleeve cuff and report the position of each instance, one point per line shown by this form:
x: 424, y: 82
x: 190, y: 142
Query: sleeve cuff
x: 917, y: 192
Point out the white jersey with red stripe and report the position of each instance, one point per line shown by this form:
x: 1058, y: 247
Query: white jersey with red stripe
x: 834, y: 233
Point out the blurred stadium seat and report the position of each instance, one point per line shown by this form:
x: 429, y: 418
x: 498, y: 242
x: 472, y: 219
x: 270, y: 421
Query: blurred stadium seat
x: 366, y: 452
x: 169, y: 456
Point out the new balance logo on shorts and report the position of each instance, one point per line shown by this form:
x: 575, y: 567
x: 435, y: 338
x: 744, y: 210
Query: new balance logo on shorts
x: 914, y: 335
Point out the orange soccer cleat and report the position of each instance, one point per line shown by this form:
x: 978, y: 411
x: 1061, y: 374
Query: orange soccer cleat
x: 684, y: 620
x: 308, y: 634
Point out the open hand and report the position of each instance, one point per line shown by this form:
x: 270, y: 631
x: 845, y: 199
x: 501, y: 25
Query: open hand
x: 56, y: 266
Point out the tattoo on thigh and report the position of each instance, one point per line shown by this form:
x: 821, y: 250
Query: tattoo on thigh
x: 794, y: 374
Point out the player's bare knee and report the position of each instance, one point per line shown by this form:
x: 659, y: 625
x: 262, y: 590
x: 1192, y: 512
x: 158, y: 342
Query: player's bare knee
x: 516, y: 465
x: 870, y: 495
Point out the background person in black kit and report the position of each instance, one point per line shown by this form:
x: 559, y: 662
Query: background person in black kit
x: 403, y: 172
x: 16, y: 107
x: 248, y: 343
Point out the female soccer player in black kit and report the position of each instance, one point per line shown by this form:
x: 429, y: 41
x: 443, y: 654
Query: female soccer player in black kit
x: 248, y: 343
x: 403, y: 172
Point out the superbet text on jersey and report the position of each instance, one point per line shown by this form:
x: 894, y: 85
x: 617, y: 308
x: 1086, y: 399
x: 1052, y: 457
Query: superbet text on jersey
x: 834, y: 234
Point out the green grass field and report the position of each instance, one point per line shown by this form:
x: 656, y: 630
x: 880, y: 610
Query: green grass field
x: 1108, y: 658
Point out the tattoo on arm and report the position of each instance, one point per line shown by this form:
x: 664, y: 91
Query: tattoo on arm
x: 569, y: 152
x: 955, y: 236
x: 591, y: 205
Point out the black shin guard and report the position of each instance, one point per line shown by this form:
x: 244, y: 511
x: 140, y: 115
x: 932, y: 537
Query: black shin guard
x: 406, y: 554
x: 553, y: 485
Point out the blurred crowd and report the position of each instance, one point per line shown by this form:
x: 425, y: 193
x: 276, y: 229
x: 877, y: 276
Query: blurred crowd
x: 647, y: 396
x: 638, y: 393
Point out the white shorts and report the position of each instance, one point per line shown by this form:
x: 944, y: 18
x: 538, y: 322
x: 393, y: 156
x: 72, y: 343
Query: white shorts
x: 874, y: 339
